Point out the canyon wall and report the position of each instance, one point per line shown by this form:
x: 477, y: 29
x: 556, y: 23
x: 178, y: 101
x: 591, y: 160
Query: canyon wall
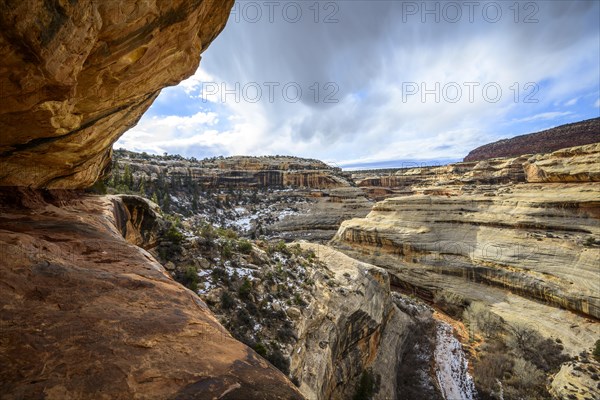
x: 86, y: 312
x: 535, y: 232
x: 267, y: 172
x: 76, y: 75
x: 574, y: 164
x: 281, y: 197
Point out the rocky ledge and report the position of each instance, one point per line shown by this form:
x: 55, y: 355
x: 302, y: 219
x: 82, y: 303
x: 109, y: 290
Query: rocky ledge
x: 76, y: 75
x: 84, y: 313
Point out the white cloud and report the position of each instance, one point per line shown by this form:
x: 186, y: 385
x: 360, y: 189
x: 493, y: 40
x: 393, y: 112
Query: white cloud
x: 544, y: 116
x: 371, y: 57
x: 571, y: 102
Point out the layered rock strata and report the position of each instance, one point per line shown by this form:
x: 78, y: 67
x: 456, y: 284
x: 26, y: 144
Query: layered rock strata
x: 536, y: 240
x: 575, y: 164
x: 235, y: 172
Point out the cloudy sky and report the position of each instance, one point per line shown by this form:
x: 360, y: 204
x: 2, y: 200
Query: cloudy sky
x: 380, y: 83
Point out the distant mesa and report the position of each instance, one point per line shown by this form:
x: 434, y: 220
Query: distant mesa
x: 569, y: 135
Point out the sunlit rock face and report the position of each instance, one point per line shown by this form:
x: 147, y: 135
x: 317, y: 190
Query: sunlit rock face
x: 537, y: 237
x: 575, y: 164
x: 537, y: 240
x: 572, y: 164
x: 237, y: 172
x: 351, y: 326
x: 85, y: 313
x: 74, y: 76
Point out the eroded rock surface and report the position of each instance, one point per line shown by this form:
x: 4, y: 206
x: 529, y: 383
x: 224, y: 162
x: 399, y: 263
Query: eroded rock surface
x: 85, y: 314
x: 538, y: 240
x: 574, y: 164
x: 74, y: 76
x: 351, y: 326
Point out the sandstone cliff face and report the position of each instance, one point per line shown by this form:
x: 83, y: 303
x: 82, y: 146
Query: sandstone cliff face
x: 86, y: 314
x: 351, y: 326
x: 532, y: 239
x: 235, y: 172
x: 274, y: 196
x: 575, y: 164
x: 520, y: 235
x: 569, y: 135
x: 77, y: 75
x: 138, y: 220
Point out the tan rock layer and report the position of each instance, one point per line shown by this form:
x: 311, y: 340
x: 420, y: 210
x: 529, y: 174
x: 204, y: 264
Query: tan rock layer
x: 74, y: 76
x: 575, y: 164
x: 84, y: 314
x: 538, y: 240
x: 237, y: 172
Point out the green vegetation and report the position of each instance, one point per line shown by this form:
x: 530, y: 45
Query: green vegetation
x: 278, y: 360
x: 596, y: 352
x: 366, y: 386
x: 226, y: 250
x: 244, y: 246
x: 245, y: 289
x: 190, y: 278
x: 261, y: 349
x: 227, y: 301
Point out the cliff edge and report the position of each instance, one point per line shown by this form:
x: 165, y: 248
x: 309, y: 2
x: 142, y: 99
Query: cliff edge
x: 74, y: 76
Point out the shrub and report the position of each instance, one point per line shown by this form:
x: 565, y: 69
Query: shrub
x: 279, y: 361
x: 226, y: 251
x: 227, y: 233
x: 282, y: 247
x: 480, y: 319
x: 244, y: 247
x: 243, y: 317
x: 286, y: 334
x: 227, y: 301
x: 544, y: 353
x: 260, y: 349
x: 219, y: 274
x: 190, y: 278
x: 245, y: 289
x: 173, y: 235
x: 207, y: 231
x: 596, y: 352
x: 298, y: 300
x: 366, y: 387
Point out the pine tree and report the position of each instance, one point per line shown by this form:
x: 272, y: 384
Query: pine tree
x: 116, y: 176
x: 166, y: 203
x: 142, y: 187
x: 128, y: 177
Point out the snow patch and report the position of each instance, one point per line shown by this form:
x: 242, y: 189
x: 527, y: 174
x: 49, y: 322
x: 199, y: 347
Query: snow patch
x: 451, y: 366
